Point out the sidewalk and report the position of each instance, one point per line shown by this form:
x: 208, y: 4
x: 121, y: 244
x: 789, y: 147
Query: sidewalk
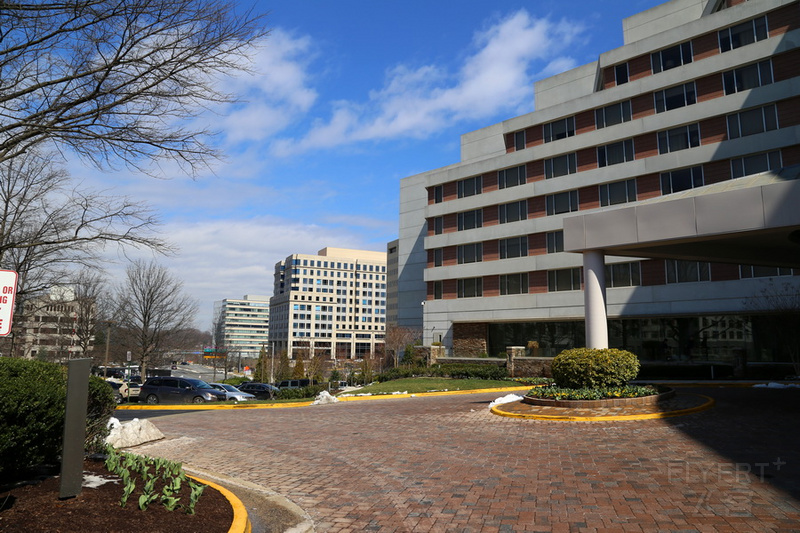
x: 447, y: 464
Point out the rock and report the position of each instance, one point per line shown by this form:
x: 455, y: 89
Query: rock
x: 132, y: 433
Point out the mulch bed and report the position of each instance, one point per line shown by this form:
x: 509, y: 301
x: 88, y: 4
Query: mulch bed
x: 35, y: 508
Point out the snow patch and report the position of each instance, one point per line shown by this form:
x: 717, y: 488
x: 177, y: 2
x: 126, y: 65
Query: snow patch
x: 323, y: 398
x: 508, y: 398
x: 92, y: 481
x: 773, y: 385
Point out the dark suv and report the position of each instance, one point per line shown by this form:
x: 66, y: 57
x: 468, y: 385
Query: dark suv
x: 262, y: 391
x: 179, y: 390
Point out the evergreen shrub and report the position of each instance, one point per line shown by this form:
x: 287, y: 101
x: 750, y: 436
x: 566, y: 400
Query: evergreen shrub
x: 588, y: 367
x: 32, y: 399
x: 100, y: 407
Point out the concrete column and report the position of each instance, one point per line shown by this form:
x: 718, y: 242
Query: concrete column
x: 594, y: 297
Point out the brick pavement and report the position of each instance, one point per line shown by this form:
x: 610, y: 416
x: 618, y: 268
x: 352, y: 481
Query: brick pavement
x: 447, y: 464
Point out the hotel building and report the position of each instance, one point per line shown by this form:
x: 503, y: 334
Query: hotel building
x: 658, y: 180
x: 331, y: 304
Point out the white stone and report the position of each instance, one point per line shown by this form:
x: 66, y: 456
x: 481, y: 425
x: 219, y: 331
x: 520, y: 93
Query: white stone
x: 132, y: 433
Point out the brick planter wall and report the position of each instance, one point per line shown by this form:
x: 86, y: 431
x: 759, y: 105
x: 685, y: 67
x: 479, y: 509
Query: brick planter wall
x: 609, y: 402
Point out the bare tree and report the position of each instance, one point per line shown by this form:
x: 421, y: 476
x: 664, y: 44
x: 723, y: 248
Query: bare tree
x: 91, y: 306
x: 48, y: 225
x: 152, y: 306
x: 118, y: 80
x: 777, y: 310
x: 396, y: 340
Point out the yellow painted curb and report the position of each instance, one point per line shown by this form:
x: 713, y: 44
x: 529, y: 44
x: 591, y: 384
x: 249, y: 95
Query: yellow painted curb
x: 649, y: 416
x: 205, y: 407
x: 241, y: 522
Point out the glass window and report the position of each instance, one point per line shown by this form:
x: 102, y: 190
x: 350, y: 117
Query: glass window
x: 470, y: 287
x: 560, y: 166
x: 743, y: 34
x: 623, y: 275
x: 621, y: 73
x: 559, y: 129
x: 514, y: 247
x: 438, y: 225
x: 681, y: 180
x: 438, y: 194
x: 615, y: 153
x: 513, y: 212
x: 748, y: 77
x: 755, y: 164
x: 568, y: 279
x: 438, y: 257
x: 619, y: 192
x: 752, y: 122
x: 555, y: 242
x: 514, y: 283
x: 564, y: 202
x: 612, y: 114
x: 751, y: 271
x: 675, y: 97
x: 687, y: 271
x: 437, y: 290
x: 674, y: 56
x: 470, y: 253
x: 519, y: 140
x: 511, y: 177
x: 470, y: 220
x: 470, y: 186
x: 678, y: 139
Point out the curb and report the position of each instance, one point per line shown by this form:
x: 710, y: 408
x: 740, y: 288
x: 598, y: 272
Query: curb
x: 201, y: 407
x: 305, y: 526
x: 241, y: 522
x: 710, y: 402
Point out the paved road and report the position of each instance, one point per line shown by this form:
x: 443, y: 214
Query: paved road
x: 447, y: 464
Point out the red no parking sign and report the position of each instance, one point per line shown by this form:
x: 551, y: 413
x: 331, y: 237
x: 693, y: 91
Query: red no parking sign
x: 8, y: 288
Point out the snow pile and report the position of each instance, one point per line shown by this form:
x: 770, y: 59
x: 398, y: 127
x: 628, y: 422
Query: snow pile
x: 324, y: 397
x: 131, y: 433
x: 774, y: 385
x: 508, y: 398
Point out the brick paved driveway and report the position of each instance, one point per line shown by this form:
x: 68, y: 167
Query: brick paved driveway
x: 447, y: 464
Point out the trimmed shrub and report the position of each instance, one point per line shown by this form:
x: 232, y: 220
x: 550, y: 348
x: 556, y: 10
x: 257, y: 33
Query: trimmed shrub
x: 100, y: 406
x: 451, y: 370
x: 586, y: 367
x: 310, y: 391
x: 32, y: 398
x: 236, y: 381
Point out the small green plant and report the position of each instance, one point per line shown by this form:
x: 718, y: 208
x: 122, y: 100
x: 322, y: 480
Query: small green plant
x: 592, y: 368
x: 554, y: 392
x: 168, y: 475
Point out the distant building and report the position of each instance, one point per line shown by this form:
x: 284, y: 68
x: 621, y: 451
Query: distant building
x: 657, y: 184
x: 47, y: 328
x: 391, y: 283
x: 242, y: 326
x: 331, y: 304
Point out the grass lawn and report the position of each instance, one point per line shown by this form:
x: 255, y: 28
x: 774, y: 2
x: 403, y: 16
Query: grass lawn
x: 417, y: 385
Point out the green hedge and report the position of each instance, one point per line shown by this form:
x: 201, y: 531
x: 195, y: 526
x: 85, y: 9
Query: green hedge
x: 32, y: 398
x: 451, y: 370
x: 586, y: 367
x: 304, y: 392
x: 32, y: 405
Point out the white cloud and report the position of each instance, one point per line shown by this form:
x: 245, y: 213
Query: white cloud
x: 417, y: 101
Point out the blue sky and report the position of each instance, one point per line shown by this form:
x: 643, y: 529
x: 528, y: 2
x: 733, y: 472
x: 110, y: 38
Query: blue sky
x: 347, y: 98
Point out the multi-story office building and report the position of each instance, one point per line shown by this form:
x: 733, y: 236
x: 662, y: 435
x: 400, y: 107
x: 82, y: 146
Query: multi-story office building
x: 671, y: 158
x: 332, y: 304
x: 48, y: 326
x: 242, y: 326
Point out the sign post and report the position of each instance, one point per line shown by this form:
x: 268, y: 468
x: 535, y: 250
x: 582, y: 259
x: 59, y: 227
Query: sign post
x: 8, y: 289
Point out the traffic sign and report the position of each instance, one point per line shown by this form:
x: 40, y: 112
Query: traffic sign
x: 8, y: 289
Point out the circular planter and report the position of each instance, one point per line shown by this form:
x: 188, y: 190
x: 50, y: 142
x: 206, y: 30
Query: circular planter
x: 665, y: 394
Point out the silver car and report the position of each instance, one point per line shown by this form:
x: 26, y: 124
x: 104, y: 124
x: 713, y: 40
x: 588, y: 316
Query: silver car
x: 232, y: 393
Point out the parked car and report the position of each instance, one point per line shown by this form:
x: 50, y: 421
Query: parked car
x: 262, y: 391
x: 179, y: 390
x: 296, y: 383
x: 232, y: 393
x: 116, y: 386
x: 134, y: 389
